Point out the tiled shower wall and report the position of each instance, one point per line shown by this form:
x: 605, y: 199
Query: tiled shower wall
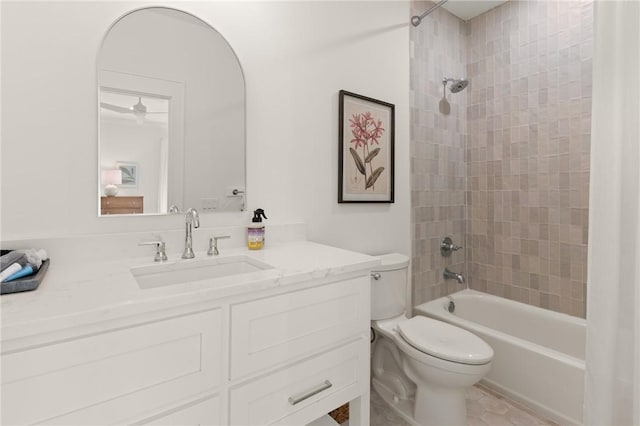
x: 438, y: 174
x: 516, y: 140
x: 529, y: 121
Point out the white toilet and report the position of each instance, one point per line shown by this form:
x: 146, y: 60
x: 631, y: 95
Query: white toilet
x: 421, y: 367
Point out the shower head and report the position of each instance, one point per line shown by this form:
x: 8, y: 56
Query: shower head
x: 457, y: 85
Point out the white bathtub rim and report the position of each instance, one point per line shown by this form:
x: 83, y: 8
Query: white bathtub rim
x: 524, y: 306
x: 438, y: 309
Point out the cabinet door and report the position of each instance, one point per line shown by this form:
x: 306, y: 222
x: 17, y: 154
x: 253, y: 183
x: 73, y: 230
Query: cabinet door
x: 111, y: 376
x: 277, y: 329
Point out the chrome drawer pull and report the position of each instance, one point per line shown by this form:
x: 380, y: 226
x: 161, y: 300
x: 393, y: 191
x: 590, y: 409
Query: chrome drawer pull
x: 324, y: 386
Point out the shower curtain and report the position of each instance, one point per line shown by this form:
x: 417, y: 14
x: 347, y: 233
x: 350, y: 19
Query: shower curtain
x: 612, y: 383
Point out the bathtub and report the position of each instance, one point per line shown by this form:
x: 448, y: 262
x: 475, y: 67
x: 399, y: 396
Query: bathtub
x: 539, y: 354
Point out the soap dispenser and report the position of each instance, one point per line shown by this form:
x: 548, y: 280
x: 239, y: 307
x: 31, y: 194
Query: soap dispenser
x: 255, y: 231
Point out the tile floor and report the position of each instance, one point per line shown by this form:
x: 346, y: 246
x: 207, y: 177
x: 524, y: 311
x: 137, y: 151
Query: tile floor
x: 484, y: 408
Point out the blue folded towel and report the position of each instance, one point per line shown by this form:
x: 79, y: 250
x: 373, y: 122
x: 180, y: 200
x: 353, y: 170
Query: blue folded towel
x: 25, y: 271
x: 12, y: 269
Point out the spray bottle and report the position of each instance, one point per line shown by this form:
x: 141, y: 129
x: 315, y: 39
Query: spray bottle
x: 255, y: 231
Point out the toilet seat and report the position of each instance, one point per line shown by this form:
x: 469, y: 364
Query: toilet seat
x: 445, y: 341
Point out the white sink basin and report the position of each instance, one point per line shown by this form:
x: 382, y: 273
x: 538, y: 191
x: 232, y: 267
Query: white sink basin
x: 184, y: 271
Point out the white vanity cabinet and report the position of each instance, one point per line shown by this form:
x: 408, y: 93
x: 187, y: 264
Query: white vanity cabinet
x: 273, y: 330
x: 285, y: 355
x: 326, y: 328
x: 317, y: 385
x: 113, y: 375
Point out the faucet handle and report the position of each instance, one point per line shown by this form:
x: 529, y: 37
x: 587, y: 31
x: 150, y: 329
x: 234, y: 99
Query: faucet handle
x: 161, y: 254
x: 213, y: 244
x: 447, y: 247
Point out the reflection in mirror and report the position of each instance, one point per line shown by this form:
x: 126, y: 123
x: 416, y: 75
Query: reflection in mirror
x: 135, y: 127
x: 172, y: 117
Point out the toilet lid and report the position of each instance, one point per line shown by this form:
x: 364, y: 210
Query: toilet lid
x: 445, y: 341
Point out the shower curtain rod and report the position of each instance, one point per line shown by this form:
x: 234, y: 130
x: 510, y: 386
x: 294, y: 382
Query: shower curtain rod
x: 415, y: 20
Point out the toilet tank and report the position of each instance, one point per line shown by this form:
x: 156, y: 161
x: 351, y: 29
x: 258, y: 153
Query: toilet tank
x: 389, y: 286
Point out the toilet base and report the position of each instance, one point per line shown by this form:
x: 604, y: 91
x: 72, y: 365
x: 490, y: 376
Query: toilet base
x: 424, y: 390
x: 402, y: 407
x: 439, y: 407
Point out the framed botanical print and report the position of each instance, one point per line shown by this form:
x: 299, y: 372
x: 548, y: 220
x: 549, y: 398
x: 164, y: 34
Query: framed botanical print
x: 366, y: 149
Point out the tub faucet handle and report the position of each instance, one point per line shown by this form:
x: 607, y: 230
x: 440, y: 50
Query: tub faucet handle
x: 447, y: 247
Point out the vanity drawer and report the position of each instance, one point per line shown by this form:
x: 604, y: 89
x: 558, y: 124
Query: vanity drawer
x: 278, y: 329
x: 267, y: 400
x: 111, y: 376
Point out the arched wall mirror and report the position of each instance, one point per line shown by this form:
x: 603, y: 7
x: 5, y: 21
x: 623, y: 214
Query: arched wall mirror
x: 171, y: 117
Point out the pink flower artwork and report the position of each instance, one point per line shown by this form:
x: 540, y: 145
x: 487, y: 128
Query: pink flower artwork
x: 366, y: 131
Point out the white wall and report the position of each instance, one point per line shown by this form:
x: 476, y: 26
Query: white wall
x: 296, y: 56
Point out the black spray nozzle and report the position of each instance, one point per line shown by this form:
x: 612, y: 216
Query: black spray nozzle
x: 258, y: 214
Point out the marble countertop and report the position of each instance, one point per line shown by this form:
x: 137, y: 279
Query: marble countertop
x: 72, y: 295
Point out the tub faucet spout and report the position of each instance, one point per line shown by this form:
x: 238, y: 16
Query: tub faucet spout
x: 448, y: 275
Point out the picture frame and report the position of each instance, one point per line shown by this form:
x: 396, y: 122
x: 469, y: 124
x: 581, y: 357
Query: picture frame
x: 130, y: 174
x: 366, y: 151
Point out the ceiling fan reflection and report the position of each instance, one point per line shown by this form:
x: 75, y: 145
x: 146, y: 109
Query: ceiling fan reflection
x: 139, y: 109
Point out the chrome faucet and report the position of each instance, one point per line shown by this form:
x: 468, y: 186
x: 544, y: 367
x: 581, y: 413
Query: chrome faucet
x: 191, y: 219
x: 448, y: 275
